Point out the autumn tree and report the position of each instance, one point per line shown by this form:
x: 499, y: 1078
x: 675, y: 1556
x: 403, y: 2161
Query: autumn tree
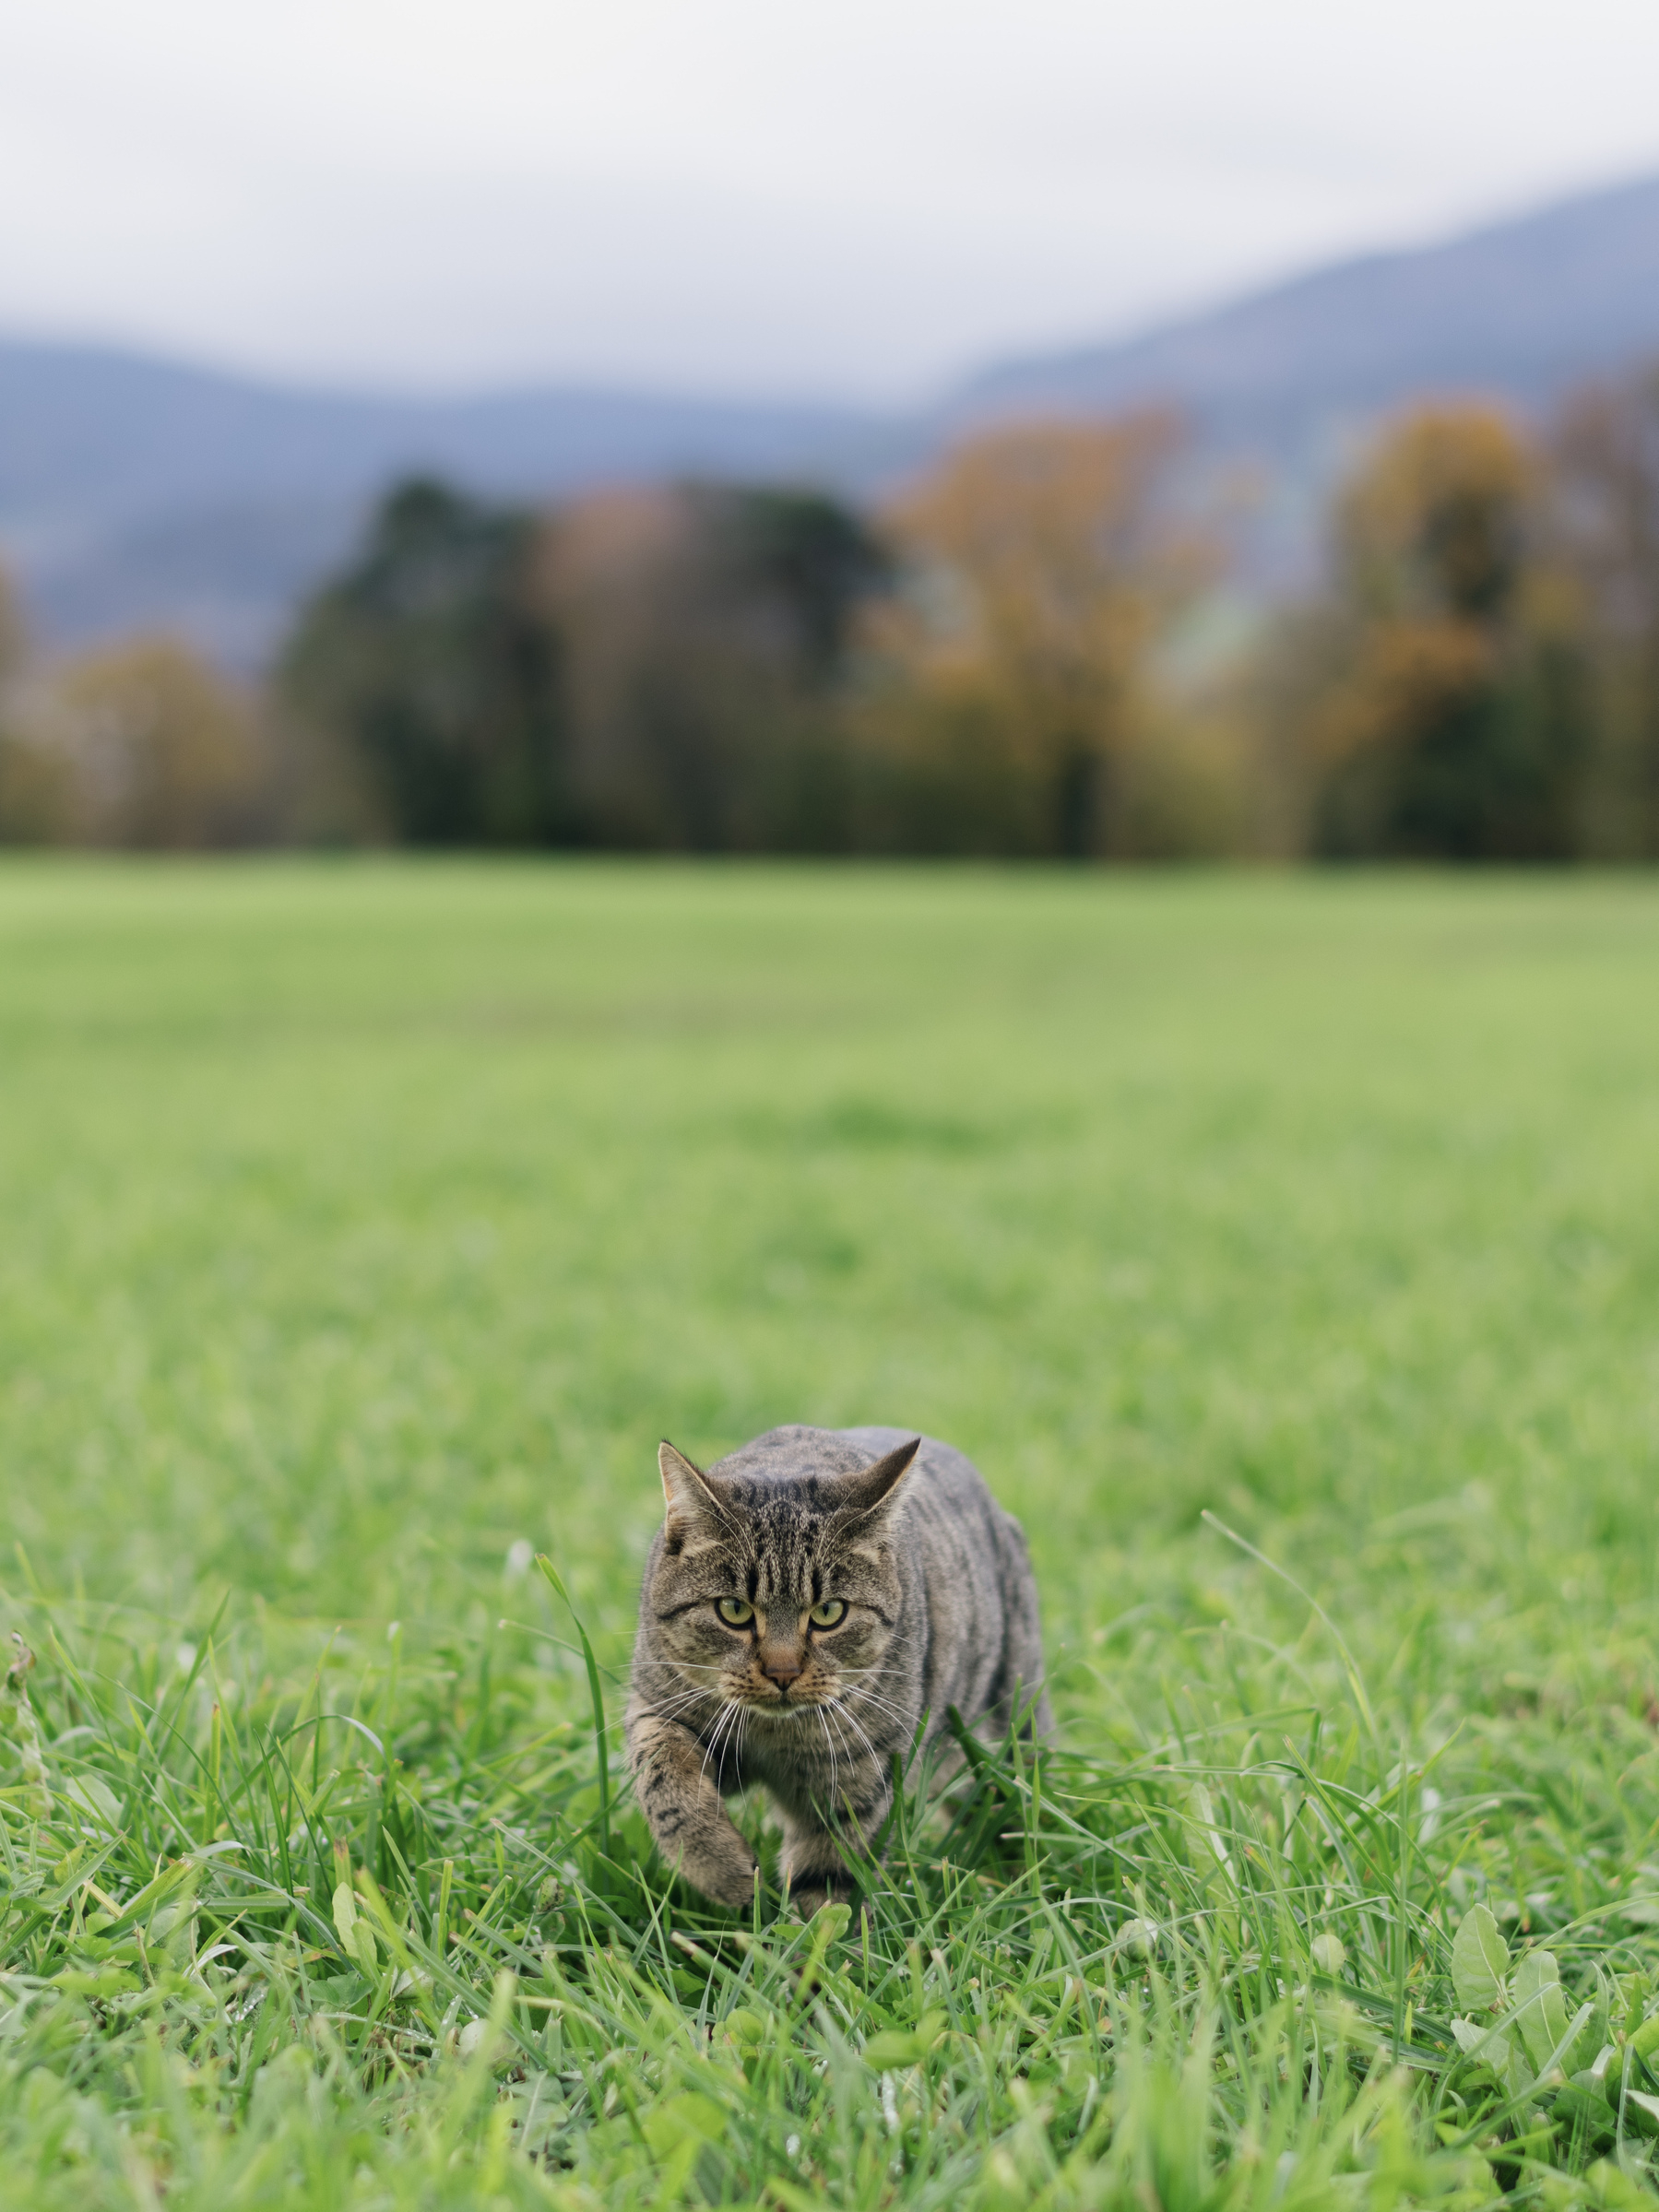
x: 157, y: 751
x: 1041, y: 561
x: 1444, y: 715
x: 36, y: 799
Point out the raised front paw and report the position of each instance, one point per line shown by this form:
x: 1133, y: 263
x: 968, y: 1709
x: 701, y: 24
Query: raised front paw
x: 728, y: 1879
x: 684, y: 1813
x: 711, y: 1855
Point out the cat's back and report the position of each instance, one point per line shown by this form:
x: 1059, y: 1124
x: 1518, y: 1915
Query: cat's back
x: 987, y: 1633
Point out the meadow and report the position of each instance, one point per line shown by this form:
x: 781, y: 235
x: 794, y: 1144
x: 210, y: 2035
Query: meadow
x: 1284, y: 1249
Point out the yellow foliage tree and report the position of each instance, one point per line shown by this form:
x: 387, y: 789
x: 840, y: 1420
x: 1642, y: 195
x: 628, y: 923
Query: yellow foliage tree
x: 1442, y: 722
x: 1435, y: 524
x: 1041, y: 564
x: 161, y: 748
x: 36, y: 788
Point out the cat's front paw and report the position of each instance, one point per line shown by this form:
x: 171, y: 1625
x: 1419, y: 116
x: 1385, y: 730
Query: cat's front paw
x: 728, y: 1881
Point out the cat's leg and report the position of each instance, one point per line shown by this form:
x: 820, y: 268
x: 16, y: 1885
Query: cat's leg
x: 681, y: 1804
x: 820, y: 1853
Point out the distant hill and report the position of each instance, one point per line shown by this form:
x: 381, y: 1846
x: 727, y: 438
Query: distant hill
x: 135, y: 491
x: 1524, y: 308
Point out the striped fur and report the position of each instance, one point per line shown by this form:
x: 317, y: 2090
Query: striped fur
x: 940, y: 1612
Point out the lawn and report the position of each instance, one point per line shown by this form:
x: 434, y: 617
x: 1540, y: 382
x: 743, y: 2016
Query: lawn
x: 363, y: 1226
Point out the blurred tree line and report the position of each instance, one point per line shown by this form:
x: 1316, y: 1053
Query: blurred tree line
x: 1016, y: 657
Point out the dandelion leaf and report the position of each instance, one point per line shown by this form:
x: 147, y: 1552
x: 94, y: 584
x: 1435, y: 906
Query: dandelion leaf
x: 1540, y: 2008
x: 1480, y: 1959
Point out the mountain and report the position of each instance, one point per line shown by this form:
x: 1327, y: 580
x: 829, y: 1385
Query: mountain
x: 1523, y: 309
x: 137, y: 492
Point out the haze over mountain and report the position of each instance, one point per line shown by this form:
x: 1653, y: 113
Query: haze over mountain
x: 140, y: 492
x: 137, y: 492
x: 1524, y: 308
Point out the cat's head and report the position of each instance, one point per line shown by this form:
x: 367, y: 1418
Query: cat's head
x: 778, y: 1591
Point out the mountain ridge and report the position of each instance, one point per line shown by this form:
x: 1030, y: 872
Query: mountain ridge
x: 136, y: 491
x: 1523, y: 306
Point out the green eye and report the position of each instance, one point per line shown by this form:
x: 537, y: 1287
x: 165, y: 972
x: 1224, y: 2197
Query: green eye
x: 735, y: 1612
x: 826, y: 1615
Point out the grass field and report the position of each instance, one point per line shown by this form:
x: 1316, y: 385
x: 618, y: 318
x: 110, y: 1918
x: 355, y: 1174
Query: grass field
x: 362, y: 1227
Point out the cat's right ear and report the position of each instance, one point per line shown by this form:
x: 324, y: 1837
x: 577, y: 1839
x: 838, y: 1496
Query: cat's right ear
x: 689, y: 1499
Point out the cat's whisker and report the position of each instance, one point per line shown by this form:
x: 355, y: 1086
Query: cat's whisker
x: 675, y: 1713
x: 727, y: 1712
x: 693, y: 1689
x: 895, y: 1730
x: 839, y: 1715
x: 904, y: 1718
x: 863, y: 1692
x: 731, y: 1741
x: 842, y: 1714
x: 676, y: 1705
x: 728, y: 1734
x: 863, y: 1687
x: 822, y: 1713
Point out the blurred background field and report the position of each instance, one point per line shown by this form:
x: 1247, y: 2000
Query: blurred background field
x: 365, y: 1226
x: 365, y: 1220
x: 366, y: 1223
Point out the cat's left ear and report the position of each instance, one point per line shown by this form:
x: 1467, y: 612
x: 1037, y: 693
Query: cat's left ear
x: 872, y: 1486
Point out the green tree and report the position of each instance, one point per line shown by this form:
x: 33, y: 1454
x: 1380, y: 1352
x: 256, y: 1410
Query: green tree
x: 811, y: 559
x: 429, y: 673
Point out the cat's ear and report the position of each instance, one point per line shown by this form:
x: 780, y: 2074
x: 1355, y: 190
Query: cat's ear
x: 874, y: 1486
x: 687, y: 1491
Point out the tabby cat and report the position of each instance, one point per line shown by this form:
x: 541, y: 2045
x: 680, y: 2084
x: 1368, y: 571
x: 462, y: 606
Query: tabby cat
x: 806, y: 1601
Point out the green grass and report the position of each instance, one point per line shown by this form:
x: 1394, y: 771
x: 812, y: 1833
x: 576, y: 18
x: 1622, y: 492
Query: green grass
x: 362, y: 1228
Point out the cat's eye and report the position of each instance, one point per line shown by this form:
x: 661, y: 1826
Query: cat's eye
x: 829, y: 1614
x: 735, y: 1612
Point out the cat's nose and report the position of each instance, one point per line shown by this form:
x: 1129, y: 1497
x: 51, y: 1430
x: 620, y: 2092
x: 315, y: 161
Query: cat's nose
x: 782, y: 1667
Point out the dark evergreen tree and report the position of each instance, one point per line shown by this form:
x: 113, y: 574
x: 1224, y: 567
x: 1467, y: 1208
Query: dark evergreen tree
x: 431, y: 665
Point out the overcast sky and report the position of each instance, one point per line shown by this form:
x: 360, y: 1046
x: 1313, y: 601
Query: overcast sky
x: 851, y: 199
